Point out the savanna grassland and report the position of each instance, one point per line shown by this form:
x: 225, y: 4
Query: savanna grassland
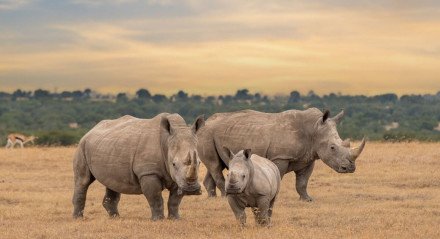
x: 395, y: 193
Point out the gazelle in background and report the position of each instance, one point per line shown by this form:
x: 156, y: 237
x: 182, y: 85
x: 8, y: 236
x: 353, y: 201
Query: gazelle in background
x: 20, y: 139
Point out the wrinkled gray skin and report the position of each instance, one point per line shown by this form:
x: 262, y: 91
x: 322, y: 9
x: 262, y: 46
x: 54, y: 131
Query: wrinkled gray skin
x: 292, y: 139
x: 252, y: 181
x: 139, y: 156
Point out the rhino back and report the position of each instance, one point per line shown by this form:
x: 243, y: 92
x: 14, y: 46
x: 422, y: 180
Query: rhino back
x: 115, y: 149
x: 271, y: 135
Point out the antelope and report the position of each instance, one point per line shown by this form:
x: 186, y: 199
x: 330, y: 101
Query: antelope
x: 13, y: 139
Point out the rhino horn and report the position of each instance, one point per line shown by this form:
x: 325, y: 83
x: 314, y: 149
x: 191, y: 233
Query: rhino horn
x: 355, y: 152
x: 191, y: 174
x: 346, y: 143
x: 338, y: 117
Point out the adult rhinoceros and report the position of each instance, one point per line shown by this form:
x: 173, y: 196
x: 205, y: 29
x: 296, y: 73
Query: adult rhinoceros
x: 139, y: 156
x: 292, y: 139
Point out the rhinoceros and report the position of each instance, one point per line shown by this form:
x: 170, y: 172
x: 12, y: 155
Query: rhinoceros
x: 292, y: 139
x: 252, y: 181
x: 139, y: 156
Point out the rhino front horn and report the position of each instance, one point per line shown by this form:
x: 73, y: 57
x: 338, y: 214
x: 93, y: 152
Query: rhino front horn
x: 355, y: 152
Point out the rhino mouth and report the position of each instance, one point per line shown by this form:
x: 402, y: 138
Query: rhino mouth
x: 233, y: 191
x: 193, y: 189
x: 346, y: 169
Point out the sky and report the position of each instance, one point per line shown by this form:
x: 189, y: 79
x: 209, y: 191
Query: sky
x: 219, y: 46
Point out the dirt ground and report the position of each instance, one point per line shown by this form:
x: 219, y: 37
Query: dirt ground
x: 394, y: 193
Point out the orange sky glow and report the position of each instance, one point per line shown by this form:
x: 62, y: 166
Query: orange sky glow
x: 217, y: 47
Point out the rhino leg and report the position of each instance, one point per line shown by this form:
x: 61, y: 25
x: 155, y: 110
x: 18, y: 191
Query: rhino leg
x: 83, y: 178
x: 262, y: 215
x: 210, y: 186
x: 302, y: 179
x: 110, y: 202
x: 269, y: 213
x: 152, y: 189
x: 173, y: 204
x: 238, y: 210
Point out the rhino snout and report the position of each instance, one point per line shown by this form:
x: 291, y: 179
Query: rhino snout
x: 347, y: 168
x: 233, y: 188
x: 190, y: 189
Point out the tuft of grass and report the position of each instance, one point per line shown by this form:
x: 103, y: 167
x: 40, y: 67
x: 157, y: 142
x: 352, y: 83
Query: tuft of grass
x: 394, y: 193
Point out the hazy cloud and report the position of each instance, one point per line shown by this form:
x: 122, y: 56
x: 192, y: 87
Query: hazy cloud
x: 219, y: 46
x: 12, y: 4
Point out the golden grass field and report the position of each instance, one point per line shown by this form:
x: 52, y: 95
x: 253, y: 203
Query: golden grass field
x: 395, y: 193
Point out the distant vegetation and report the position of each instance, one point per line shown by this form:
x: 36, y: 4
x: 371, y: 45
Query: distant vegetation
x: 63, y: 118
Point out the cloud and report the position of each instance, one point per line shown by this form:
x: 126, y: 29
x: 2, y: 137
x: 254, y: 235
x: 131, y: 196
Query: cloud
x: 218, y: 46
x: 101, y: 2
x: 12, y: 4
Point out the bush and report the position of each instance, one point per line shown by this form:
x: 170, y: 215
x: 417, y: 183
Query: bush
x: 58, y: 138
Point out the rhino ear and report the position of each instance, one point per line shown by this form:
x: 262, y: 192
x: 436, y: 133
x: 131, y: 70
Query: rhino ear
x: 247, y: 153
x: 165, y: 124
x: 229, y: 152
x: 199, y: 123
x: 325, y: 115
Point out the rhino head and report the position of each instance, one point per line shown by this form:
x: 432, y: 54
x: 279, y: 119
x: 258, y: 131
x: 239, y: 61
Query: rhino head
x: 239, y: 173
x: 182, y: 160
x: 331, y: 149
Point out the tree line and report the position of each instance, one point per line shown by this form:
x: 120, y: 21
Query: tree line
x: 63, y: 118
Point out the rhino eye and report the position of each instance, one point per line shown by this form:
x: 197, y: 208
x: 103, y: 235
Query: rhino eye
x: 243, y: 176
x: 174, y: 164
x: 332, y: 147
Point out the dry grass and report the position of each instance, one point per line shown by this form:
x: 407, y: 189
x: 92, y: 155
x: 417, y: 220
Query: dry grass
x: 395, y: 193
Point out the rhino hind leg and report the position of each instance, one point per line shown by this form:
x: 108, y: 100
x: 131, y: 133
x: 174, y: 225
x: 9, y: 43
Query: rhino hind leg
x: 262, y: 217
x: 302, y: 179
x: 83, y: 178
x: 152, y: 188
x: 110, y: 202
x: 271, y: 208
x: 209, y: 184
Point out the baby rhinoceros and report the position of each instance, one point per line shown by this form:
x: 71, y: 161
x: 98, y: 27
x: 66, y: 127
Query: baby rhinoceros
x: 252, y: 181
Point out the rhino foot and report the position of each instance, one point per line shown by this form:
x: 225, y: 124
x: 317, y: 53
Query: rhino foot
x: 306, y: 199
x: 157, y: 218
x: 173, y: 217
x: 115, y: 215
x: 78, y: 215
x: 212, y: 194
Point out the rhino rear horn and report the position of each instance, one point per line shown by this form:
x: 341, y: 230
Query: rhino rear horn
x: 338, y: 117
x: 355, y: 152
x: 346, y: 143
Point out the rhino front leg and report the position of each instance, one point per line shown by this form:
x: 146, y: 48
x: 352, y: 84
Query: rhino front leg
x: 173, y: 204
x: 110, y: 202
x: 302, y: 179
x: 83, y: 178
x: 238, y: 210
x: 210, y: 186
x: 152, y: 189
x: 216, y: 171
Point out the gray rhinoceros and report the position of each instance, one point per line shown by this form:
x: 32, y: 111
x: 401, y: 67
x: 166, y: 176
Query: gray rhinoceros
x: 292, y: 139
x: 252, y: 181
x: 139, y: 156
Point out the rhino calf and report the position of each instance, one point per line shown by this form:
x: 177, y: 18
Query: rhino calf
x: 252, y: 181
x: 139, y: 156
